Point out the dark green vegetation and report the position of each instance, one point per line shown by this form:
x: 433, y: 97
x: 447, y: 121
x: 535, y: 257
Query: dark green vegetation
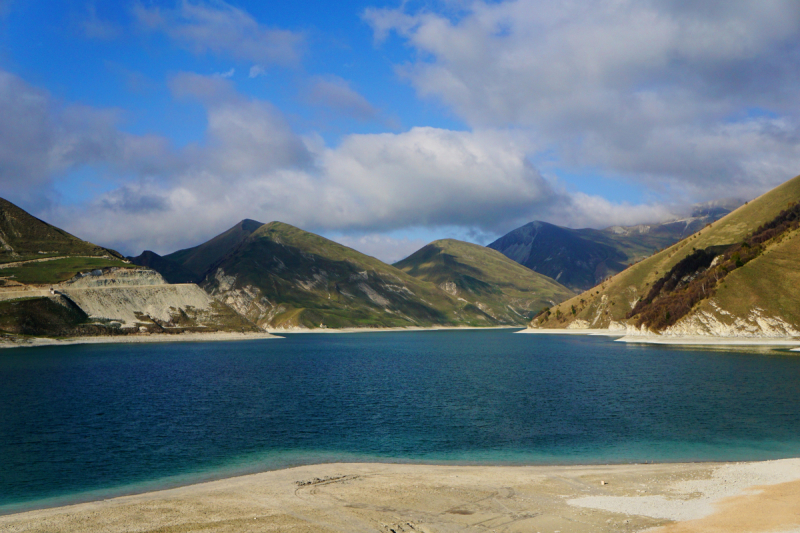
x: 739, y: 274
x: 54, y: 317
x: 281, y: 276
x: 582, y: 258
x: 24, y: 237
x: 191, y: 265
x: 200, y: 259
x: 57, y: 270
x: 504, y: 289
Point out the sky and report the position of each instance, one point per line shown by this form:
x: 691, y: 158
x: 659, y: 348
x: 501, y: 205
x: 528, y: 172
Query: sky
x: 385, y: 125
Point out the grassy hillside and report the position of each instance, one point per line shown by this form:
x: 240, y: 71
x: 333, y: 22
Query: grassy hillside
x: 282, y: 276
x: 756, y: 283
x: 33, y: 252
x: 504, y: 289
x: 24, y: 237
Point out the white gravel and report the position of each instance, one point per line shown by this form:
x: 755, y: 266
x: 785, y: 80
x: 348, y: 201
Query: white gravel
x: 695, y: 498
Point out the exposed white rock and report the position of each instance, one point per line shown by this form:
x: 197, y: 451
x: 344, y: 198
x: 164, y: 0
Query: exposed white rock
x: 373, y: 295
x: 579, y: 324
x: 121, y: 304
x: 720, y: 323
x: 449, y: 287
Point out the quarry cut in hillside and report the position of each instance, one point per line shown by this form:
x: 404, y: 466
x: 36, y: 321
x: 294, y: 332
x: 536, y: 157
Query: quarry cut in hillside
x: 121, y: 301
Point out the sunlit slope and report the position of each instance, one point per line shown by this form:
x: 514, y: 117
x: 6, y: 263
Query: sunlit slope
x: 284, y: 277
x: 610, y: 302
x: 504, y: 289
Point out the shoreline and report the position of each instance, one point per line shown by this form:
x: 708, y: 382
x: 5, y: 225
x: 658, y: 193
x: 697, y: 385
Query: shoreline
x: 386, y: 330
x: 428, y: 498
x: 271, y: 333
x: 34, y: 342
x: 698, y: 340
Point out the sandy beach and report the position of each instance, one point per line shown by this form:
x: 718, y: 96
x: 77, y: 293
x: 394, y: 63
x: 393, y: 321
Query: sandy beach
x: 668, y: 498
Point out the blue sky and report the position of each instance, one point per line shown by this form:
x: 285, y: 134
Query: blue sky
x: 146, y: 124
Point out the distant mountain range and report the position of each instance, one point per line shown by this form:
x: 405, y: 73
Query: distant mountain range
x: 736, y: 277
x: 582, y: 258
x: 279, y: 276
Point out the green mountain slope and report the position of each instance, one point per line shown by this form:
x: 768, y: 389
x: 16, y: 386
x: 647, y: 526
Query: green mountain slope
x: 282, y: 277
x: 24, y: 237
x: 199, y: 259
x: 582, y: 258
x: 33, y: 252
x: 734, y: 277
x: 504, y: 289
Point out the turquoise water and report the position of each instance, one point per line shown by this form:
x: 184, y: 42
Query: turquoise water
x: 87, y: 422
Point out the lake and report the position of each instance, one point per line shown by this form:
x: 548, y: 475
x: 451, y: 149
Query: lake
x: 87, y: 422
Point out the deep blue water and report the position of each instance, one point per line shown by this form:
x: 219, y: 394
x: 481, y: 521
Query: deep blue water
x: 85, y: 422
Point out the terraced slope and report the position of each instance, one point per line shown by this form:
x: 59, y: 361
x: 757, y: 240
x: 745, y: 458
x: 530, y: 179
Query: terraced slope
x: 758, y: 298
x: 284, y: 277
x: 502, y: 288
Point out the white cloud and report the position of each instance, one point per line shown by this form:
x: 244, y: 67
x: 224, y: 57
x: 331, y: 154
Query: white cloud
x: 657, y: 90
x: 252, y: 165
x: 222, y: 29
x: 335, y: 93
x: 42, y: 138
x: 386, y: 248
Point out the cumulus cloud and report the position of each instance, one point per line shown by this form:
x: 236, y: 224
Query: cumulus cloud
x: 252, y: 165
x: 42, y: 138
x: 335, y: 93
x: 385, y: 247
x: 692, y: 93
x: 220, y: 28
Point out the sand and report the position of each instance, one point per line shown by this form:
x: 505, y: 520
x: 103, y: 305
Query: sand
x: 753, y: 497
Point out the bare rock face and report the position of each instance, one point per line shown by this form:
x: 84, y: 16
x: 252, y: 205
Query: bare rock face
x: 137, y: 298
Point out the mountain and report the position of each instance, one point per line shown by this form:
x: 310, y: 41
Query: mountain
x: 25, y: 237
x: 502, y: 288
x: 172, y: 271
x: 736, y: 277
x: 582, y: 258
x: 200, y: 259
x: 283, y: 277
x: 55, y: 284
